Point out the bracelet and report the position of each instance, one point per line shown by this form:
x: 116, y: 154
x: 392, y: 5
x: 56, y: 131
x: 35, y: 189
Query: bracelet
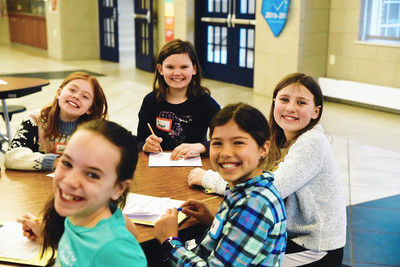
x: 172, y: 238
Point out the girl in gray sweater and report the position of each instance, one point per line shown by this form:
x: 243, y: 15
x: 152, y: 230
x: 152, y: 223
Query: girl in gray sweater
x: 306, y: 175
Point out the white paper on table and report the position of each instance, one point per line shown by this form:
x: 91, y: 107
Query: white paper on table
x: 14, y: 245
x: 163, y: 160
x: 148, y: 209
x: 3, y: 82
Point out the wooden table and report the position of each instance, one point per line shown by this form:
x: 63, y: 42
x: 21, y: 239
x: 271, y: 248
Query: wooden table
x: 23, y: 191
x: 16, y: 87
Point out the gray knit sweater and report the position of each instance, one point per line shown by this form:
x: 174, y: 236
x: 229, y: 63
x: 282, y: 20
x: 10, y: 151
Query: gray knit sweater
x: 310, y: 184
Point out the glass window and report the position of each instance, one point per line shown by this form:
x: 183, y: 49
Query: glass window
x: 247, y: 6
x: 380, y: 21
x: 217, y: 44
x: 243, y: 7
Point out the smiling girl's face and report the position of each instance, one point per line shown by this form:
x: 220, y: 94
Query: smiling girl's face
x: 177, y: 70
x: 75, y: 99
x: 85, y: 179
x: 235, y: 154
x: 294, y: 109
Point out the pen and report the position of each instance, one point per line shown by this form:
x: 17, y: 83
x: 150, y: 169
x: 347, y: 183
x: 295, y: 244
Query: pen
x: 204, y: 200
x: 151, y: 130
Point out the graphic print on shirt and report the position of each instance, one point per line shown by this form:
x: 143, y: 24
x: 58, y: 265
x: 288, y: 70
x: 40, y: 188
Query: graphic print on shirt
x: 66, y: 254
x: 172, y: 123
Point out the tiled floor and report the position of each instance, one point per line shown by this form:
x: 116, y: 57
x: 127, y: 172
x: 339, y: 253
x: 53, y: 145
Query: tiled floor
x: 366, y: 144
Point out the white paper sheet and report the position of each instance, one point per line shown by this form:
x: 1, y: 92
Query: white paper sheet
x: 143, y: 208
x: 14, y: 245
x: 3, y: 82
x: 163, y: 160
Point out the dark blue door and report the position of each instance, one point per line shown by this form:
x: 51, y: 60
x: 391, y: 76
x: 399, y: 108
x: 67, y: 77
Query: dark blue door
x: 108, y: 25
x: 225, y: 40
x: 144, y: 39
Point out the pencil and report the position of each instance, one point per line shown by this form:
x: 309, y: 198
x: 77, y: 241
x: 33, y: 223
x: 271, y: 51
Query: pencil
x: 152, y: 132
x: 204, y: 200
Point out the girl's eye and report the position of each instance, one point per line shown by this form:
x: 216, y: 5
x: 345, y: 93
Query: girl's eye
x: 284, y: 99
x: 301, y: 103
x: 238, y: 143
x: 216, y: 143
x: 72, y: 89
x: 66, y: 163
x: 86, y: 97
x: 170, y: 67
x: 93, y: 175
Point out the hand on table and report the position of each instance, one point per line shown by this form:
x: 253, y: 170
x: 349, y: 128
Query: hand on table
x: 195, y: 176
x: 186, y: 150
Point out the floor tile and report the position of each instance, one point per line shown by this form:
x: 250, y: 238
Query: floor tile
x: 392, y: 202
x: 381, y: 173
x: 373, y: 219
x: 376, y: 248
x: 365, y: 150
x: 361, y: 194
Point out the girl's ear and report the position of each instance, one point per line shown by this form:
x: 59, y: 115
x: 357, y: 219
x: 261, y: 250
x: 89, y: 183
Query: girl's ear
x: 316, y: 112
x: 159, y: 68
x: 58, y: 93
x: 89, y: 111
x: 264, y: 149
x: 120, y: 188
x: 194, y: 70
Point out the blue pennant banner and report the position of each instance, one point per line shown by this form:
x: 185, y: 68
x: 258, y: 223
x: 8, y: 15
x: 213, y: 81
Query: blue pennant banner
x: 275, y: 13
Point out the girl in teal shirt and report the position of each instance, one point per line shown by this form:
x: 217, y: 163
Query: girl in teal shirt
x: 83, y: 217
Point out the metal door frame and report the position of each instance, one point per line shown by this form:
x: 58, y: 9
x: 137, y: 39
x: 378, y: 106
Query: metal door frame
x: 145, y: 34
x: 108, y: 30
x: 231, y: 71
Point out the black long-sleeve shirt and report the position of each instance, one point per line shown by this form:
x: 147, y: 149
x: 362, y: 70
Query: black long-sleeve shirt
x: 176, y: 123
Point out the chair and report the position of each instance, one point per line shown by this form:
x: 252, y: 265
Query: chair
x: 11, y: 109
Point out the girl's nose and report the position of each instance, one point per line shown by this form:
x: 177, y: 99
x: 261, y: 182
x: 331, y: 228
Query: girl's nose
x: 291, y: 106
x: 226, y: 151
x: 72, y: 179
x: 75, y: 95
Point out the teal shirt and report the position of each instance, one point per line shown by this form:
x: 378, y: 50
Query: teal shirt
x: 109, y: 243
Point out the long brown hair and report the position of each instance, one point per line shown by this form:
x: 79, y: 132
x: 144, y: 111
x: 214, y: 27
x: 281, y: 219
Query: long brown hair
x: 178, y: 46
x: 127, y: 144
x: 279, y: 144
x: 50, y: 114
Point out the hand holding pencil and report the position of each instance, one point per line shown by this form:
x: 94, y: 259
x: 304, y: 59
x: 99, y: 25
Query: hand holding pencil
x: 153, y: 142
x: 32, y: 226
x: 204, y: 200
x: 167, y: 224
x: 199, y: 210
